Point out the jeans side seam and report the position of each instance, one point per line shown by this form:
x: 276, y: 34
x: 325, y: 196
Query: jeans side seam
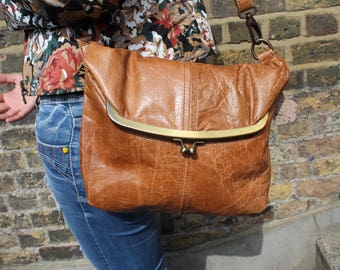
x: 79, y: 199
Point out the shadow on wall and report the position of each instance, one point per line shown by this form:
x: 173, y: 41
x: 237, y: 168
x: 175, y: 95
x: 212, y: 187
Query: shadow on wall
x: 202, y: 256
x: 287, y: 245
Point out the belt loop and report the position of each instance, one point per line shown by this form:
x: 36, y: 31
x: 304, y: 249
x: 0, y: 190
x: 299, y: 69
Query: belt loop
x: 37, y: 103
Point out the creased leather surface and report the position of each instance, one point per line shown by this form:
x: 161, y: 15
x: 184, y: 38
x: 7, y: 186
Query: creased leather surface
x: 125, y: 170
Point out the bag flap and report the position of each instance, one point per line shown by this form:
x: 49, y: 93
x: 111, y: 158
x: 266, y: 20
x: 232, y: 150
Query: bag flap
x: 185, y: 96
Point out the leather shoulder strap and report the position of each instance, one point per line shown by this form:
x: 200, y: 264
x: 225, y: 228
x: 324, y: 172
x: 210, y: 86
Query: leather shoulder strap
x: 243, y: 5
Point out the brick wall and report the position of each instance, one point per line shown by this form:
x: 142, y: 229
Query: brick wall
x: 304, y: 141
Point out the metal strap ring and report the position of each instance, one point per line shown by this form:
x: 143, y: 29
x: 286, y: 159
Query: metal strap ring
x: 258, y: 42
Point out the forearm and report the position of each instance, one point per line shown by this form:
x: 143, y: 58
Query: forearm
x: 67, y: 13
x: 24, y: 14
x: 10, y: 77
x: 18, y: 17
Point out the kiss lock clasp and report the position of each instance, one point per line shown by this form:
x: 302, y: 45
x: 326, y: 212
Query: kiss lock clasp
x: 188, y: 150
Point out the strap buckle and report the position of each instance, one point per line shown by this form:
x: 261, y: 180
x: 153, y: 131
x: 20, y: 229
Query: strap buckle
x: 254, y: 31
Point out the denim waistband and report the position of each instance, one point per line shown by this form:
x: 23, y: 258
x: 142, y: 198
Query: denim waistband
x: 62, y: 98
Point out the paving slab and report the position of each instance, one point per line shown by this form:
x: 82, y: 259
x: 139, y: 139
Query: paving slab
x: 328, y: 250
x: 57, y: 265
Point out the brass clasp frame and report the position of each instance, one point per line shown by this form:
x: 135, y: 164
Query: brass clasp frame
x: 188, y: 150
x: 182, y: 136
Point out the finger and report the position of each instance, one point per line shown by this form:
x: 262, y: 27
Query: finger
x: 10, y: 113
x: 15, y: 117
x: 3, y: 116
x: 4, y: 107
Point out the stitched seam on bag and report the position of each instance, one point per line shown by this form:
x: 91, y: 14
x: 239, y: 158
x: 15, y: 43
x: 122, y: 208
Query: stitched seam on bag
x: 183, y: 107
x: 251, y: 92
x: 189, y: 178
x: 183, y: 185
x: 179, y: 181
x: 184, y: 126
x: 189, y: 100
x: 196, y: 102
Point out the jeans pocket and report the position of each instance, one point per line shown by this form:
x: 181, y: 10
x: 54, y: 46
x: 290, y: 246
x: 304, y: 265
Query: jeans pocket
x: 56, y: 161
x: 54, y: 124
x: 53, y: 130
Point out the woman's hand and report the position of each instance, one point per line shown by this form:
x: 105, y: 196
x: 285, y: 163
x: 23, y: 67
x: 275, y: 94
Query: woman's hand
x: 12, y: 106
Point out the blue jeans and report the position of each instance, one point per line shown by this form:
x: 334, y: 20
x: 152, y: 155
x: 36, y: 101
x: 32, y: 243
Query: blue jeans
x: 111, y: 241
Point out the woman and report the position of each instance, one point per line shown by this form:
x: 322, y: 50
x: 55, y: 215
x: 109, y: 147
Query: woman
x: 53, y: 71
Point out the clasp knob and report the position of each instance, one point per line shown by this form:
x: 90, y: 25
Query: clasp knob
x: 188, y: 150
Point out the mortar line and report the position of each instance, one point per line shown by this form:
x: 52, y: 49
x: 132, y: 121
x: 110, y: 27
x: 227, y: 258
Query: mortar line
x: 312, y: 11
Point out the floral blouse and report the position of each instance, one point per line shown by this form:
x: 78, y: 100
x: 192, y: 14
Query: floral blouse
x: 172, y: 29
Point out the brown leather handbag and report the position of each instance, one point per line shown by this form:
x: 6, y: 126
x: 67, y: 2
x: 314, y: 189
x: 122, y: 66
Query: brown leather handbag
x: 191, y: 139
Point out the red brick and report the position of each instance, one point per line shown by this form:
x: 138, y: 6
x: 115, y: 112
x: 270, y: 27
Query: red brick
x: 319, y: 188
x: 323, y: 147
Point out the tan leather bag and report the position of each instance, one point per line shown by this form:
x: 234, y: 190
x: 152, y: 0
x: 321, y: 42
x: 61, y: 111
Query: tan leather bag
x: 192, y: 138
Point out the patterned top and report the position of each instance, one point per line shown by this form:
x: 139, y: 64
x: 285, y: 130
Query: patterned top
x: 172, y: 29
